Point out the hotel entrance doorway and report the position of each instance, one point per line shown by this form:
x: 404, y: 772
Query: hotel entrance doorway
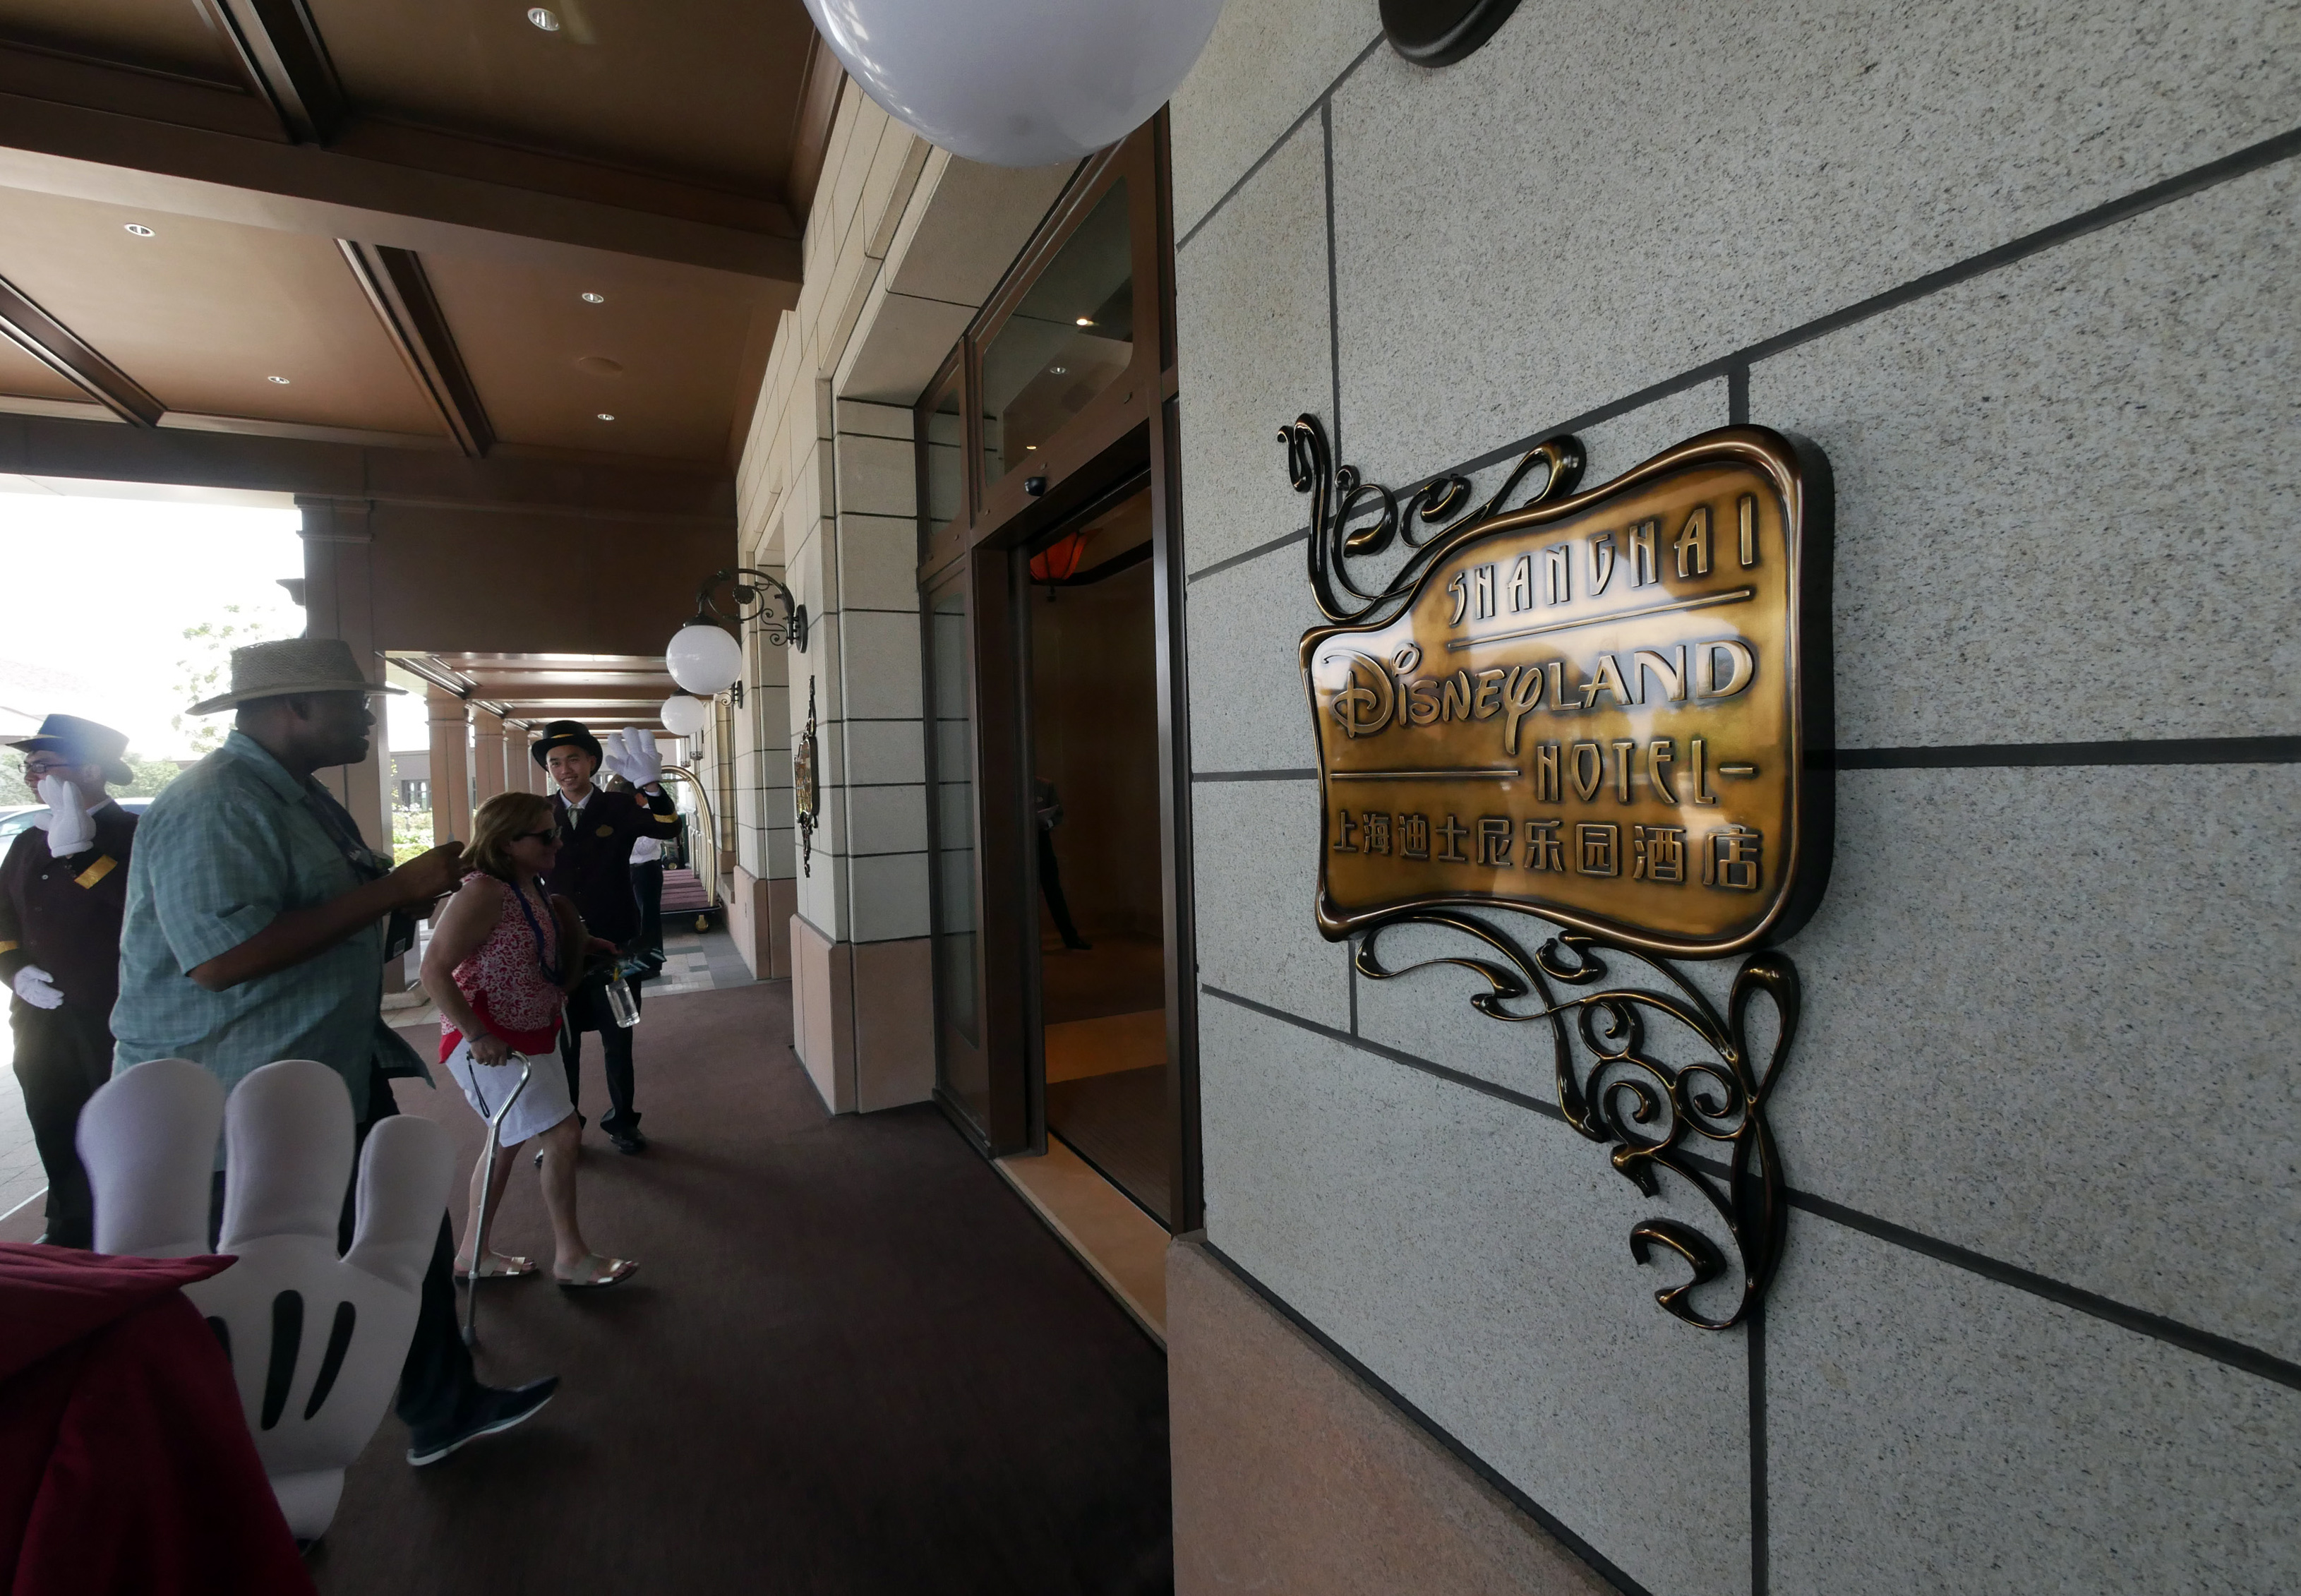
x: 1093, y: 739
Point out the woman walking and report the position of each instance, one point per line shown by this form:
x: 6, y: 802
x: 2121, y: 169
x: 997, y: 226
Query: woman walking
x: 502, y: 959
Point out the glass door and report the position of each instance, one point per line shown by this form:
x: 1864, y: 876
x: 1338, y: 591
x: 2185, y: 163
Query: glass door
x: 983, y: 1058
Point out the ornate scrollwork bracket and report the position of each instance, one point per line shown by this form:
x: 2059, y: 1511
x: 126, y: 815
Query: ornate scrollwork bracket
x: 751, y: 597
x: 1342, y: 500
x: 1613, y: 1089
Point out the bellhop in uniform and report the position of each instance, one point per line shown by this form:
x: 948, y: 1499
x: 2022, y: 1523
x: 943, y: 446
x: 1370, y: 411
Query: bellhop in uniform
x: 598, y: 829
x: 62, y: 889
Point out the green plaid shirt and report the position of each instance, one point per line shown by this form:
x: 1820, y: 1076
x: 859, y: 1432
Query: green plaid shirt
x: 225, y: 850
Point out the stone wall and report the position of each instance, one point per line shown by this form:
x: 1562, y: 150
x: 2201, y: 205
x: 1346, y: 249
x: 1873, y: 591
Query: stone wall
x: 2025, y: 276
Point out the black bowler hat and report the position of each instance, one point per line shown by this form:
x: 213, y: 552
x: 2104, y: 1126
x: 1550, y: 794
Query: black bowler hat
x: 567, y: 734
x: 83, y: 742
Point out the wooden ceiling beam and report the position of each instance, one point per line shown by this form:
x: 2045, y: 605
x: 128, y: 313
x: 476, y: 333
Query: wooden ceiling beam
x: 63, y: 352
x: 401, y: 296
x: 149, y: 141
x: 281, y: 54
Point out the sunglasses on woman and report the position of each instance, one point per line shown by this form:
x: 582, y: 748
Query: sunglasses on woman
x: 551, y: 836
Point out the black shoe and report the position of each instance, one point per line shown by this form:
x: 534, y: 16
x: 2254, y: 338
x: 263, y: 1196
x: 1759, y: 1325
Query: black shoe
x: 491, y: 1413
x: 631, y: 1140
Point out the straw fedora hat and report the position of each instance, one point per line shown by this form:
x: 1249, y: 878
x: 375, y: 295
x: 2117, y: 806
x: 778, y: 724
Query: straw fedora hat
x: 292, y: 665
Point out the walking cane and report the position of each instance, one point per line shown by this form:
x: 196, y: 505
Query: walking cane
x: 488, y: 1164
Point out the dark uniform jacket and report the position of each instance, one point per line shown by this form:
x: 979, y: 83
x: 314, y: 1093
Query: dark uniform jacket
x: 63, y: 914
x: 595, y: 855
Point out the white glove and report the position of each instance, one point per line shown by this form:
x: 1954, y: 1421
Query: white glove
x: 316, y: 1341
x: 38, y: 987
x: 71, y: 830
x: 643, y: 767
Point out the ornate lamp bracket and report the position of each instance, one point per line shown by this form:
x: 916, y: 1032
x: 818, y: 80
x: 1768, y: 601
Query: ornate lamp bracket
x: 751, y: 597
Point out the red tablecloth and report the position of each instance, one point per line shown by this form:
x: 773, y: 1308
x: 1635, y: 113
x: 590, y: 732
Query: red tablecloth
x: 125, y: 1461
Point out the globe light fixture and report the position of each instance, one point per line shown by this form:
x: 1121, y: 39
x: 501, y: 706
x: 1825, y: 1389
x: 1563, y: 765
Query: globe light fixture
x: 1017, y: 82
x: 703, y: 658
x: 684, y: 716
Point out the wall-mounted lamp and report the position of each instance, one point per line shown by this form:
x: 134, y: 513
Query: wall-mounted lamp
x: 704, y: 658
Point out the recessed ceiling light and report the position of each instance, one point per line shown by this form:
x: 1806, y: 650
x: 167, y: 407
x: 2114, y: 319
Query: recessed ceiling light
x: 544, y: 19
x: 604, y: 416
x: 1059, y: 370
x: 1086, y: 321
x: 139, y: 230
x: 1033, y: 447
x: 282, y: 381
x: 595, y: 299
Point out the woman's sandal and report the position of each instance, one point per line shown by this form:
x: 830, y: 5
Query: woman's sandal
x: 499, y: 1266
x: 616, y: 1269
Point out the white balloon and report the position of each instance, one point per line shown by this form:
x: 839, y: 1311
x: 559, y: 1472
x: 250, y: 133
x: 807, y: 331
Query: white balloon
x: 704, y: 659
x: 684, y: 716
x: 1017, y: 82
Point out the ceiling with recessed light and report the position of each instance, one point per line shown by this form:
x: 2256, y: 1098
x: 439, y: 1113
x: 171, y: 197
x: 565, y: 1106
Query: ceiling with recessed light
x: 423, y: 224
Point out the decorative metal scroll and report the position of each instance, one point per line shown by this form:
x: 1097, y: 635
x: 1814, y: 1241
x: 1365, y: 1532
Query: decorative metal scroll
x: 1591, y: 708
x: 804, y: 793
x: 751, y: 597
x: 1655, y: 1114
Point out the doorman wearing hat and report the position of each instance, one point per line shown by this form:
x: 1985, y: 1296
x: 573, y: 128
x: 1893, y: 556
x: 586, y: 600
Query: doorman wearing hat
x: 597, y: 829
x: 62, y: 890
x: 256, y: 928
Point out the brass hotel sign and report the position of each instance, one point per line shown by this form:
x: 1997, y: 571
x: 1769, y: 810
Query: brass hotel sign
x: 1595, y: 707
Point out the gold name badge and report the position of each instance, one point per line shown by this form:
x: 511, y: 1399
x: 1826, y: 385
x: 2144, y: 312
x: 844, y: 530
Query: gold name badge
x: 604, y: 831
x: 1596, y: 708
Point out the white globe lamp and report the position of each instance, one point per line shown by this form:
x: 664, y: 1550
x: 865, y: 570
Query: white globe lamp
x: 1017, y: 82
x: 684, y: 716
x: 703, y: 658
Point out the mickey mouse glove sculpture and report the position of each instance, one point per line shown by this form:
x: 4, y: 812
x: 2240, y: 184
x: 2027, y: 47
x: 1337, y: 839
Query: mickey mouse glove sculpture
x: 316, y: 1341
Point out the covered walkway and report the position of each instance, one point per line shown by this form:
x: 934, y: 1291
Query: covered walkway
x: 853, y: 1361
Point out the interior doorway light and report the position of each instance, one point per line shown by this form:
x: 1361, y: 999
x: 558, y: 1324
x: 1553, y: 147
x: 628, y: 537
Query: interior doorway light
x: 139, y: 230
x: 607, y: 415
x: 590, y: 299
x: 1086, y: 321
x: 282, y: 381
x: 547, y: 20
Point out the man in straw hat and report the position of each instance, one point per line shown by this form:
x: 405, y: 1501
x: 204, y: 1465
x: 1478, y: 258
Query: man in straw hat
x: 62, y: 887
x: 256, y: 931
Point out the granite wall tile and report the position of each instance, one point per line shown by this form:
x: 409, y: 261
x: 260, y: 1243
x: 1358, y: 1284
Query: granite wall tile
x: 2064, y: 487
x: 1251, y: 311
x: 1932, y: 1431
x: 1247, y: 706
x: 1607, y: 202
x: 1473, y: 1255
x: 2049, y: 1016
x: 1256, y: 848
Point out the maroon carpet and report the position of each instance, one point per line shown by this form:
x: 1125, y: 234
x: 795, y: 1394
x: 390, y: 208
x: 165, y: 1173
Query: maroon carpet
x: 852, y: 1362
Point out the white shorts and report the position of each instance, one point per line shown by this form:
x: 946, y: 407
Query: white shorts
x: 543, y: 1105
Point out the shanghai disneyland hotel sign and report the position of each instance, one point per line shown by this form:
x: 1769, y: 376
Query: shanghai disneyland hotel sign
x: 1608, y: 710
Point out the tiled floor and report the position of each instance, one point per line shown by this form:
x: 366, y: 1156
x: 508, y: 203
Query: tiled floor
x: 694, y: 962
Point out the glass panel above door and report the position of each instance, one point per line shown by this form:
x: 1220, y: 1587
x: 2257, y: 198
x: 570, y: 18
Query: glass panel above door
x: 1072, y: 337
x: 946, y: 466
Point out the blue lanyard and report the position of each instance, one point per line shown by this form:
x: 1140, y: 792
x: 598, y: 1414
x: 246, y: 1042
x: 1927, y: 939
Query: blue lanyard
x: 554, y: 973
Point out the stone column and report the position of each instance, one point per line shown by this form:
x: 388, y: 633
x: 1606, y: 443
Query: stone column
x: 538, y: 779
x: 339, y: 602
x: 451, y: 791
x: 488, y: 773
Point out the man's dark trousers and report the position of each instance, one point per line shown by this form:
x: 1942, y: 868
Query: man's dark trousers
x: 588, y: 1010
x: 62, y: 1054
x: 647, y: 886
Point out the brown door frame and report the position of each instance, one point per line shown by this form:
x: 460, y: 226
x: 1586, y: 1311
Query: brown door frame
x: 1132, y: 426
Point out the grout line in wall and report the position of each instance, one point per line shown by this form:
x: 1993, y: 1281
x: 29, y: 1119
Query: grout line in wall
x: 1753, y: 1343
x: 1256, y: 553
x: 1276, y: 145
x: 1494, y: 1479
x: 2204, y: 1343
x: 1334, y: 309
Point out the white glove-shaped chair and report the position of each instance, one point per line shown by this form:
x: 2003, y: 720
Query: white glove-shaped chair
x: 316, y: 1341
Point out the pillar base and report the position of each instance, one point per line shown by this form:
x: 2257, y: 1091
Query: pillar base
x: 863, y: 1019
